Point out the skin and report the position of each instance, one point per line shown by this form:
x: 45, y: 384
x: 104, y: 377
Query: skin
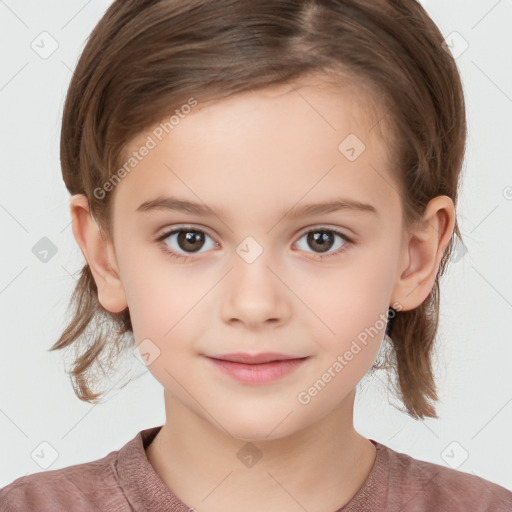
x: 256, y: 155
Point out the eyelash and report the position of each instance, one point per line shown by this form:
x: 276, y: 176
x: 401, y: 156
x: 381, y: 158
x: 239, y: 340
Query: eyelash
x: 182, y: 258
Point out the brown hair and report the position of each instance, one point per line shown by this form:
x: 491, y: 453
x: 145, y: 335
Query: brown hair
x: 146, y: 58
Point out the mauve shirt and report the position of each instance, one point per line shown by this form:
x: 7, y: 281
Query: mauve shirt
x: 124, y: 480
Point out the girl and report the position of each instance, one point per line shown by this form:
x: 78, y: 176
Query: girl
x: 312, y: 151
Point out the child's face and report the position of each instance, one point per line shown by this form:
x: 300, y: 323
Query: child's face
x: 252, y: 158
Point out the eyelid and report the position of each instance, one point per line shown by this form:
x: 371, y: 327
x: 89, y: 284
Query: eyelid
x: 348, y: 241
x: 165, y: 232
x: 327, y: 227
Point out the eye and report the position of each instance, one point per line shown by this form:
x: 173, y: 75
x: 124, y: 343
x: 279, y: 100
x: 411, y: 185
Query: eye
x: 191, y: 241
x: 323, y: 239
x: 185, y: 239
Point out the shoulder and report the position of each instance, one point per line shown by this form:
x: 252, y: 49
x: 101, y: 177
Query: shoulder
x: 420, y: 485
x: 88, y: 486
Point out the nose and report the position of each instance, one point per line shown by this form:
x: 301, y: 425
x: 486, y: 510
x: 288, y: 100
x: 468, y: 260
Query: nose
x: 253, y: 294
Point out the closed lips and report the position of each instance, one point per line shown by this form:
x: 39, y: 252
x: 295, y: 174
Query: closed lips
x: 255, y: 358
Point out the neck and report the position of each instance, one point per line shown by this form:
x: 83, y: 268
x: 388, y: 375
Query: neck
x: 320, y: 467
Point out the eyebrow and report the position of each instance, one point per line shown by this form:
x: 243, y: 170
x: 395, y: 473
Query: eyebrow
x: 190, y: 207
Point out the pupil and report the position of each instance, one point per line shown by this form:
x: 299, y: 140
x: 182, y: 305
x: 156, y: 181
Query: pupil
x: 187, y: 240
x: 322, y: 238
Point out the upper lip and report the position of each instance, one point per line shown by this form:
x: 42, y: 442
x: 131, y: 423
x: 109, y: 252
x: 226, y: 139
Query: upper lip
x: 264, y: 357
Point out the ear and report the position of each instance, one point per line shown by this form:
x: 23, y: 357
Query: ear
x: 99, y: 253
x: 422, y: 252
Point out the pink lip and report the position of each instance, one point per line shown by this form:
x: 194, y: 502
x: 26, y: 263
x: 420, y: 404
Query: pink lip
x: 257, y: 373
x: 264, y: 357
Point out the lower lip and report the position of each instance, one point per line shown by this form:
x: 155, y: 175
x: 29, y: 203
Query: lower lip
x: 257, y: 373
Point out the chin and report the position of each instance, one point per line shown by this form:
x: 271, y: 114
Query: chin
x: 257, y: 434
x: 259, y: 427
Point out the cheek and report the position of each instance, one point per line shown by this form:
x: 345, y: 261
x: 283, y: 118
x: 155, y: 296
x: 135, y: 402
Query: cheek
x: 160, y: 307
x: 165, y: 311
x: 351, y: 298
x: 350, y: 306
x: 169, y: 307
x: 353, y: 311
x: 159, y: 293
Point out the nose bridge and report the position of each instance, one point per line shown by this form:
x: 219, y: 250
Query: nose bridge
x: 252, y: 260
x: 254, y: 292
x: 258, y: 239
x: 250, y: 249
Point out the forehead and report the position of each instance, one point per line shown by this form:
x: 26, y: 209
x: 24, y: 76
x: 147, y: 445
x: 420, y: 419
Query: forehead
x: 307, y: 139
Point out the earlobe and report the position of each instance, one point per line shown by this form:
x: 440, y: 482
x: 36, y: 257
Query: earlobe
x: 423, y: 253
x: 99, y: 254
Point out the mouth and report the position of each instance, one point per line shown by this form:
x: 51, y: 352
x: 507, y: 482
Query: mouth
x: 262, y: 368
x: 264, y: 357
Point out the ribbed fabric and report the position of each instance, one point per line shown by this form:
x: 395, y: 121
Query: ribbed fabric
x: 124, y: 480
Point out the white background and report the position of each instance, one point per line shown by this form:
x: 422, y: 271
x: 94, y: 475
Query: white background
x: 37, y: 403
